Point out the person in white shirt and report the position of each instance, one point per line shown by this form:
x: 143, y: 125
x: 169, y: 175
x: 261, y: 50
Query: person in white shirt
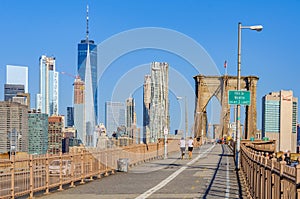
x: 182, y: 147
x: 190, y: 147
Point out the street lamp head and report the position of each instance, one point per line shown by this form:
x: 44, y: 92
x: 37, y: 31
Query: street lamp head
x: 257, y: 28
x: 178, y: 98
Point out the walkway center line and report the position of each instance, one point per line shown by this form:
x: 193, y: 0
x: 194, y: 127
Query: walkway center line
x: 171, y: 177
x: 227, y: 179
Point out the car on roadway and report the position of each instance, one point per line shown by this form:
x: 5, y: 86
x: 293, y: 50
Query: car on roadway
x: 54, y: 167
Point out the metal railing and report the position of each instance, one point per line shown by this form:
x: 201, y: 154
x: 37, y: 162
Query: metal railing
x: 35, y: 173
x: 268, y: 178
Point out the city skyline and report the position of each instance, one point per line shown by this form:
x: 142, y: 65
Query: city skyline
x: 217, y: 33
x: 89, y: 61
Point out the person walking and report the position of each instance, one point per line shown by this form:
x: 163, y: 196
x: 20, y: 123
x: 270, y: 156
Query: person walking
x: 182, y: 147
x: 190, y: 147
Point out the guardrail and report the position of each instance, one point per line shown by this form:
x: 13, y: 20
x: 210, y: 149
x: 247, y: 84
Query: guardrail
x: 34, y: 173
x: 267, y: 178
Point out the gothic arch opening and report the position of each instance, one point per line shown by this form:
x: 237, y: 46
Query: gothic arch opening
x: 213, y: 110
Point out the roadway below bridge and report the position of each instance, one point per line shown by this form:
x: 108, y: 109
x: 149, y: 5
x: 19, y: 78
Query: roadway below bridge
x: 209, y: 174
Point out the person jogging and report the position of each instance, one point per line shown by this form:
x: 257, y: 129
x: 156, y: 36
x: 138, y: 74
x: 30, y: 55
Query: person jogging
x: 182, y: 147
x: 190, y: 147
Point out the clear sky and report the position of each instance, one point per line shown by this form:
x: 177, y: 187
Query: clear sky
x: 53, y: 27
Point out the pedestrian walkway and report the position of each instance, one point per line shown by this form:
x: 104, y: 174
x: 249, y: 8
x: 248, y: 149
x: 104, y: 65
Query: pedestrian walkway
x: 209, y: 174
x: 157, y: 164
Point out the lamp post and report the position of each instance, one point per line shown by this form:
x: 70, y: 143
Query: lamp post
x: 166, y: 131
x: 238, y: 110
x: 186, y: 115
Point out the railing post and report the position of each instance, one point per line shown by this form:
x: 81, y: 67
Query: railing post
x: 282, y: 165
x: 12, y: 171
x: 112, y: 162
x: 31, y: 177
x: 266, y: 187
x: 273, y: 191
x: 262, y: 175
x: 297, y: 181
x: 82, y: 167
x: 106, y: 164
x: 99, y: 163
x: 72, y: 171
x: 47, y: 174
x: 257, y: 175
x: 91, y: 166
x: 60, y: 172
x: 252, y: 176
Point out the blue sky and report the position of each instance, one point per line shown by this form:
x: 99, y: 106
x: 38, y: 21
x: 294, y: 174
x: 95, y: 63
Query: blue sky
x: 32, y: 28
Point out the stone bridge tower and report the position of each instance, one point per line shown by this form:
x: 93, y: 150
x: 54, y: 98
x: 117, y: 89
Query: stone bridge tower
x: 218, y: 86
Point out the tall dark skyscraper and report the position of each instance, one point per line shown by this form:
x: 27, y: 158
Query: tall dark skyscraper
x: 88, y: 50
x: 70, y: 116
x: 130, y: 117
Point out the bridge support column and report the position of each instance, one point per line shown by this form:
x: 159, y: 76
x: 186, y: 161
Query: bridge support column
x: 250, y: 121
x: 225, y: 114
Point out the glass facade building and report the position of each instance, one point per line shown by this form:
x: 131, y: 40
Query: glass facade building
x: 37, y: 133
x: 70, y: 116
x: 295, y: 116
x: 47, y: 99
x: 17, y: 75
x: 130, y: 117
x: 114, y: 116
x: 279, y: 119
x: 271, y: 116
x: 88, y: 50
x: 11, y: 90
x: 146, y: 108
x: 298, y: 135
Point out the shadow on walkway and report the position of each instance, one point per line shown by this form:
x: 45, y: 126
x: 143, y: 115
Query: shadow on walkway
x: 215, y: 174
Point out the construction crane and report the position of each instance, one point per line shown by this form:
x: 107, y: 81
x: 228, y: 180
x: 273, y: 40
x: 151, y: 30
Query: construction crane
x: 70, y: 75
x: 76, y: 77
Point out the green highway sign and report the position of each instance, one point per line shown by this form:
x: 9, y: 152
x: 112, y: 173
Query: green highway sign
x: 236, y: 97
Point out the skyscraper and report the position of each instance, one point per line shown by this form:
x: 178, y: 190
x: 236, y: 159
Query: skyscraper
x: 47, y: 99
x: 79, y: 109
x: 298, y: 136
x: 70, y: 116
x: 87, y: 68
x: 279, y: 119
x: 158, y: 95
x: 37, y: 132
x: 130, y: 116
x: 13, y: 127
x: 17, y: 75
x: 146, y: 108
x: 114, y: 116
x: 55, y: 134
x: 11, y: 90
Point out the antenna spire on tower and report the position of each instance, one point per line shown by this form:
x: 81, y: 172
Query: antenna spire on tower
x: 87, y: 23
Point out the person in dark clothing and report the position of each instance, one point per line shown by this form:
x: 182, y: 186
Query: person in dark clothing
x: 287, y: 158
x: 281, y: 158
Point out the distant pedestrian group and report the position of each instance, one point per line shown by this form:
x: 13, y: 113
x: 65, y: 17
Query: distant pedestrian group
x: 190, y: 145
